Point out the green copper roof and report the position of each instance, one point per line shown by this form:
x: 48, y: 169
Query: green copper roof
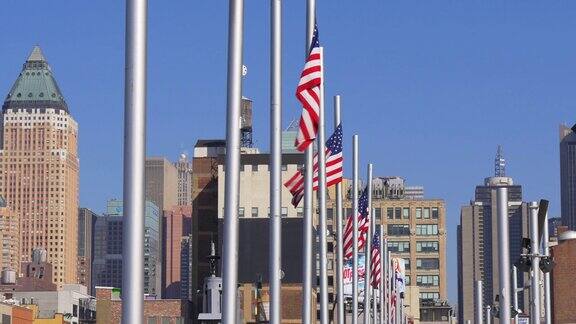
x: 35, y: 86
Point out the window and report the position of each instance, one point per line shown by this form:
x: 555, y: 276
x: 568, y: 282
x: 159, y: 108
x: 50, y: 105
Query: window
x: 406, y: 213
x: 426, y: 213
x: 418, y: 213
x: 166, y: 320
x: 348, y: 212
x: 390, y: 213
x: 400, y: 247
x: 254, y: 167
x: 427, y: 281
x: 75, y: 310
x: 284, y: 212
x: 435, y: 212
x: 398, y: 229
x: 427, y: 246
x: 300, y: 212
x: 378, y: 214
x: 241, y: 212
x: 397, y: 212
x: 254, y: 211
x: 152, y: 320
x: 430, y: 229
x: 407, y: 264
x: 427, y: 264
x: 407, y: 280
x: 429, y: 296
x: 284, y: 167
x: 329, y: 213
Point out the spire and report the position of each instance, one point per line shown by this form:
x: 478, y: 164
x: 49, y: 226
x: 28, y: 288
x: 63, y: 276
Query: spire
x: 36, y: 55
x: 499, y: 163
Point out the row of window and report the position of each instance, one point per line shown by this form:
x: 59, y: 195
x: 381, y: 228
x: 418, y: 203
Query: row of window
x: 404, y: 229
x: 403, y: 212
x: 421, y: 246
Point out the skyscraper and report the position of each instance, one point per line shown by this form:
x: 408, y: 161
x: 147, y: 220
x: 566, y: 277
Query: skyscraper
x: 39, y: 160
x: 568, y: 176
x: 177, y: 224
x: 107, y: 264
x: 184, y: 168
x: 478, y: 240
x: 86, y: 219
x: 161, y: 182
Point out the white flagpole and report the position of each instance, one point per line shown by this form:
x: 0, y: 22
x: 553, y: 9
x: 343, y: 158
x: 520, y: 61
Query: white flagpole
x: 307, y: 237
x: 355, y: 230
x: 275, y: 162
x: 324, y: 318
x: 134, y: 156
x: 375, y: 294
x: 232, y: 180
x: 368, y: 252
x: 340, y: 229
x: 383, y: 266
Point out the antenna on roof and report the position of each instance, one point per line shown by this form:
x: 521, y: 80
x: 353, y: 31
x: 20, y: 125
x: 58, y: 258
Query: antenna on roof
x: 500, y: 163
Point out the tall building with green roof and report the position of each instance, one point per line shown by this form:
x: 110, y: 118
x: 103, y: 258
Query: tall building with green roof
x: 40, y: 166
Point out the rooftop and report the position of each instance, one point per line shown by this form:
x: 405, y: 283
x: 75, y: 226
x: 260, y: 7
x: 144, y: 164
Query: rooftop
x: 35, y: 87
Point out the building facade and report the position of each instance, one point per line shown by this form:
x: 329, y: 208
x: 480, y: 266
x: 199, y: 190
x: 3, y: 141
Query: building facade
x: 478, y: 243
x: 562, y: 277
x: 568, y: 176
x: 161, y: 182
x: 415, y: 230
x: 9, y: 238
x: 86, y: 219
x: 184, y: 168
x: 177, y: 224
x: 107, y: 260
x: 39, y: 160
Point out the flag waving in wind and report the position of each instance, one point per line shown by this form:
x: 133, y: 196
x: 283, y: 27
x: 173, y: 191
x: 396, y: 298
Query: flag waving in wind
x: 334, y: 171
x: 375, y: 262
x: 308, y: 93
x: 363, y: 224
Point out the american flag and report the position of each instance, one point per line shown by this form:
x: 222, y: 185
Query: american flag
x: 334, y: 171
x: 308, y: 93
x: 363, y: 224
x: 375, y: 263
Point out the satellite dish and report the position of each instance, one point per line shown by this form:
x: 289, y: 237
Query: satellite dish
x: 244, y: 70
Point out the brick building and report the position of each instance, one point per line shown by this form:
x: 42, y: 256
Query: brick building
x: 563, y: 277
x: 165, y: 311
x: 177, y: 224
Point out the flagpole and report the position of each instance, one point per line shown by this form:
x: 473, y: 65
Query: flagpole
x: 232, y: 183
x: 374, y: 290
x: 339, y: 226
x: 308, y: 174
x: 322, y: 204
x: 383, y: 263
x: 134, y: 156
x: 368, y: 252
x: 390, y: 290
x: 275, y: 161
x: 355, y: 229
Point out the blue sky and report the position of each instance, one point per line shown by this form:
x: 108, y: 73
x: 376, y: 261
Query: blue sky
x: 431, y: 87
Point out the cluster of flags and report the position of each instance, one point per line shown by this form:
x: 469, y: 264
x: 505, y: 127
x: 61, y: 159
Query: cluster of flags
x: 308, y: 94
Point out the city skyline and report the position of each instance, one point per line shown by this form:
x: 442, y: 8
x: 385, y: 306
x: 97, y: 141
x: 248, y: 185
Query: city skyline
x: 463, y: 120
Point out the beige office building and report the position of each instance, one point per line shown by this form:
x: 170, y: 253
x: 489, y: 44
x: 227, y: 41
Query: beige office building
x: 161, y: 183
x: 415, y: 229
x: 40, y: 165
x: 184, y: 168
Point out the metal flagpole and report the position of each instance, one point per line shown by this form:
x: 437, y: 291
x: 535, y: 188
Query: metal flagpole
x: 134, y: 157
x: 355, y: 229
x: 340, y: 227
x: 375, y: 294
x: 514, y: 291
x: 308, y: 174
x: 489, y: 315
x: 503, y: 253
x: 367, y: 251
x: 232, y: 180
x: 275, y: 162
x: 389, y: 286
x: 324, y: 318
x: 479, y: 302
x: 535, y: 284
x: 547, y: 291
x: 383, y: 268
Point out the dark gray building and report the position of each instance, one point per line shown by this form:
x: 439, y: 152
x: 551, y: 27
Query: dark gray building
x: 568, y: 176
x: 478, y: 241
x: 107, y: 262
x: 86, y: 220
x: 186, y: 268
